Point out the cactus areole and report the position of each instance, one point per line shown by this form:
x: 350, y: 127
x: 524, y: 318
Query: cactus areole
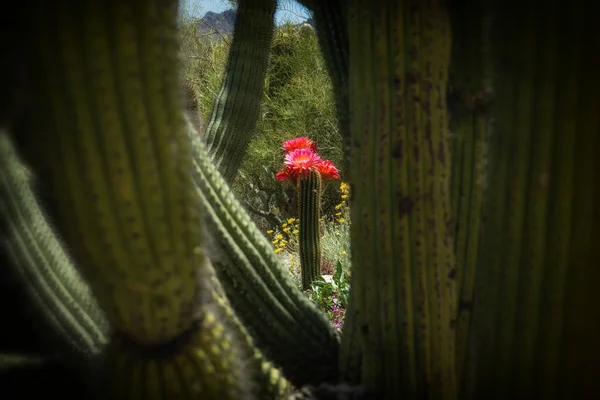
x: 305, y: 168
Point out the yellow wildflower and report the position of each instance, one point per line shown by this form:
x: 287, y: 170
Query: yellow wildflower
x: 341, y: 220
x: 284, y: 225
x: 277, y: 251
x: 296, y: 231
x: 286, y: 230
x: 344, y: 196
x: 279, y: 236
x: 344, y: 254
x: 291, y: 220
x: 270, y: 231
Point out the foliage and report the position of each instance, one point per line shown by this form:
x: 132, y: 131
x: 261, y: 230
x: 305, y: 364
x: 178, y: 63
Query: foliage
x: 297, y: 101
x: 332, y: 295
x: 330, y: 291
x: 336, y: 233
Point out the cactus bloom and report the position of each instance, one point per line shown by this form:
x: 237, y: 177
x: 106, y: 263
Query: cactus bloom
x: 327, y: 170
x: 305, y: 169
x: 299, y: 143
x: 301, y: 161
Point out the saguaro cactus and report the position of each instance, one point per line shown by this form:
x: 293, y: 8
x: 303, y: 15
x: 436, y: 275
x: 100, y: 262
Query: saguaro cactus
x: 135, y: 229
x: 402, y: 245
x: 133, y: 193
x: 237, y: 107
x: 537, y: 274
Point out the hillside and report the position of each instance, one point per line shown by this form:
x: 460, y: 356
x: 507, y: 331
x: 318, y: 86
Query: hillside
x: 217, y: 25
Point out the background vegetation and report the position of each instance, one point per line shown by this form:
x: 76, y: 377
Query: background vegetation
x: 298, y: 101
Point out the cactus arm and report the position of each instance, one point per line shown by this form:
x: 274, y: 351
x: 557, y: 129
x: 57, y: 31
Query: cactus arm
x: 332, y: 32
x: 270, y: 382
x: 64, y: 298
x: 237, y: 107
x: 402, y: 247
x: 309, y: 211
x: 61, y: 296
x: 245, y: 263
x: 125, y: 198
x: 533, y: 327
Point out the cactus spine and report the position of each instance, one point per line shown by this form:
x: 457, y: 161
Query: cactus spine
x: 402, y: 246
x: 309, y: 212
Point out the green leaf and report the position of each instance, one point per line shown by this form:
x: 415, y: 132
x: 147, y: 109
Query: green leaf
x: 338, y: 277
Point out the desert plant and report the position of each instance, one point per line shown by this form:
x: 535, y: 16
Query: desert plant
x: 305, y: 169
x: 197, y: 315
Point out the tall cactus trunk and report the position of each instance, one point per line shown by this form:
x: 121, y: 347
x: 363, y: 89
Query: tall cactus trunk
x: 534, y: 332
x: 237, y: 107
x: 402, y: 240
x: 121, y: 161
x: 468, y: 104
x: 309, y: 212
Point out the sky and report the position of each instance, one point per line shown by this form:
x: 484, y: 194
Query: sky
x: 289, y: 10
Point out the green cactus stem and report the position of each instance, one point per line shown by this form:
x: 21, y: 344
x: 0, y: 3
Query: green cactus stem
x: 309, y: 213
x: 470, y: 126
x: 332, y: 33
x: 534, y: 330
x: 237, y: 107
x: 402, y: 241
x: 62, y: 300
x: 277, y: 314
x: 127, y: 206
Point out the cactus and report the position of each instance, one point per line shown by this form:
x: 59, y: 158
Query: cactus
x: 274, y: 310
x: 332, y: 32
x: 305, y: 168
x: 138, y: 206
x: 237, y: 106
x: 163, y: 316
x: 69, y: 309
x: 537, y: 273
x: 468, y: 103
x: 309, y: 213
x: 402, y: 247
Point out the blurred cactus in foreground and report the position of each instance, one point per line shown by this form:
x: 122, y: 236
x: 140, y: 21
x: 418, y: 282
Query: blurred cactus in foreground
x: 469, y: 134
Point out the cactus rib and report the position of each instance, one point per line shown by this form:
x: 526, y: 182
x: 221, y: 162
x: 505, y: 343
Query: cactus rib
x: 537, y: 273
x: 402, y: 244
x: 309, y: 211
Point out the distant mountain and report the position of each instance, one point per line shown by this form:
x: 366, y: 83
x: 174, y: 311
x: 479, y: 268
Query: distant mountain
x: 219, y: 24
